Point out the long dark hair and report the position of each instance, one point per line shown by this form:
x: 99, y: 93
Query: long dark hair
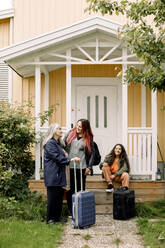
x: 122, y: 158
x: 87, y: 134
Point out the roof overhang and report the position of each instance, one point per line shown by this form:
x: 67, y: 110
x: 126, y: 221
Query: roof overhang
x: 7, y: 13
x: 50, y: 50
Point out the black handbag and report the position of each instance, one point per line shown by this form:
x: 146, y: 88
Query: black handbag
x: 97, y: 156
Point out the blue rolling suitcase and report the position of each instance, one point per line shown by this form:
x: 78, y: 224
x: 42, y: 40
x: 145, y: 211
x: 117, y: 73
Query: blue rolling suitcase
x: 123, y: 204
x: 83, y: 206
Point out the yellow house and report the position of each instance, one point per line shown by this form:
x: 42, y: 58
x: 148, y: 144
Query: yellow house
x: 52, y: 52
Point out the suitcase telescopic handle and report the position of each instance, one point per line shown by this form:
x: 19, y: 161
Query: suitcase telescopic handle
x: 73, y: 210
x: 75, y: 179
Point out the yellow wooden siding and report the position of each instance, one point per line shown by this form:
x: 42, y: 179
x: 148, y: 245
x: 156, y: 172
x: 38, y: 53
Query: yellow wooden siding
x: 58, y: 95
x: 17, y: 88
x: 95, y: 70
x: 148, y: 107
x: 42, y: 92
x: 35, y: 17
x: 134, y: 105
x: 161, y: 124
x: 4, y: 32
x: 28, y: 91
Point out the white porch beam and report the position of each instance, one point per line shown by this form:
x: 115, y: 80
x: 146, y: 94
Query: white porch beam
x: 37, y: 124
x: 85, y: 53
x: 154, y: 134
x: 97, y: 50
x: 66, y: 57
x: 143, y: 106
x: 122, y: 57
x: 83, y: 62
x: 68, y: 92
x: 124, y: 100
x: 102, y: 44
x: 109, y: 52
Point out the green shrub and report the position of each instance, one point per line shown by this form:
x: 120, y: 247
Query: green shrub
x: 32, y: 208
x: 156, y: 209
x: 8, y: 207
x: 16, y: 140
x: 143, y: 210
x: 159, y: 207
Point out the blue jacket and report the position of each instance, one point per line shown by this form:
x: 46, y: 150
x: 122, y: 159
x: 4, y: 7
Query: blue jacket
x: 54, y: 164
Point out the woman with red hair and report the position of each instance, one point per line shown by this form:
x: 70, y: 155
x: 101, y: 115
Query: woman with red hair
x: 79, y: 143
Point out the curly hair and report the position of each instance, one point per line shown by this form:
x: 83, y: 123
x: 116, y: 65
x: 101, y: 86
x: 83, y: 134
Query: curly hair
x: 122, y: 157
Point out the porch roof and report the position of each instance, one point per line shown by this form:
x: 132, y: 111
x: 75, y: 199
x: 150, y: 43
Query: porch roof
x: 93, y: 40
x: 6, y: 13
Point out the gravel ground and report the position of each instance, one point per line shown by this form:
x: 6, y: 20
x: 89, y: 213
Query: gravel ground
x: 107, y: 232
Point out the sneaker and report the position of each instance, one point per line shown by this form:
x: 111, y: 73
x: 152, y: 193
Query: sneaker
x: 110, y: 188
x: 51, y: 222
x: 69, y: 215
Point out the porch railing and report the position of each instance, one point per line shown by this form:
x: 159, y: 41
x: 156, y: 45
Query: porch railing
x: 140, y: 152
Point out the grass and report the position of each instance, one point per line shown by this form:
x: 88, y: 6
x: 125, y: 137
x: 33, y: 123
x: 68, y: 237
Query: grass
x: 87, y: 236
x: 117, y: 241
x: 157, y: 209
x: 153, y: 232
x: 26, y: 234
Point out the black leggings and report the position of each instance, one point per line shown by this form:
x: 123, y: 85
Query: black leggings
x: 72, y: 186
x: 54, y: 206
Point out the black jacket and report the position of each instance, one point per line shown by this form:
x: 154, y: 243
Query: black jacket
x: 54, y: 164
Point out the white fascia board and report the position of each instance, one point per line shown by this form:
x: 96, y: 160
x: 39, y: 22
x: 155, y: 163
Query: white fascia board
x: 48, y: 39
x: 7, y: 13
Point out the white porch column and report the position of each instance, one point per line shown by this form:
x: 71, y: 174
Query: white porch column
x: 10, y: 75
x: 143, y: 106
x: 37, y: 125
x: 124, y: 100
x: 68, y: 91
x: 154, y: 134
x: 46, y: 107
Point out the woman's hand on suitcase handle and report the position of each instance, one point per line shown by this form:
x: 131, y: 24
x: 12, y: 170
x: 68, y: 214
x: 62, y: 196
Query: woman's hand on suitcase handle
x: 76, y: 159
x: 87, y: 171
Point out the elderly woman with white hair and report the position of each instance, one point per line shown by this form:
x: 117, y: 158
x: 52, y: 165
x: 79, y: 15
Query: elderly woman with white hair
x: 55, y: 161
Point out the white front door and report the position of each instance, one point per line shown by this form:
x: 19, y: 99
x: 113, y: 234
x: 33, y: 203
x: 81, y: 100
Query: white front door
x: 100, y: 104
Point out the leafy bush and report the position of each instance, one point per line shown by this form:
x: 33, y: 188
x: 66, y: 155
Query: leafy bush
x: 7, y: 207
x: 31, y: 208
x: 17, y: 136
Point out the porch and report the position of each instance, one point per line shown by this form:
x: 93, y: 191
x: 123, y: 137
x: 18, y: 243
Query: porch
x: 91, y: 42
x: 145, y: 191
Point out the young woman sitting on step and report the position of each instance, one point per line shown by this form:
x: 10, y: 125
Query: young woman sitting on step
x: 116, y: 167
